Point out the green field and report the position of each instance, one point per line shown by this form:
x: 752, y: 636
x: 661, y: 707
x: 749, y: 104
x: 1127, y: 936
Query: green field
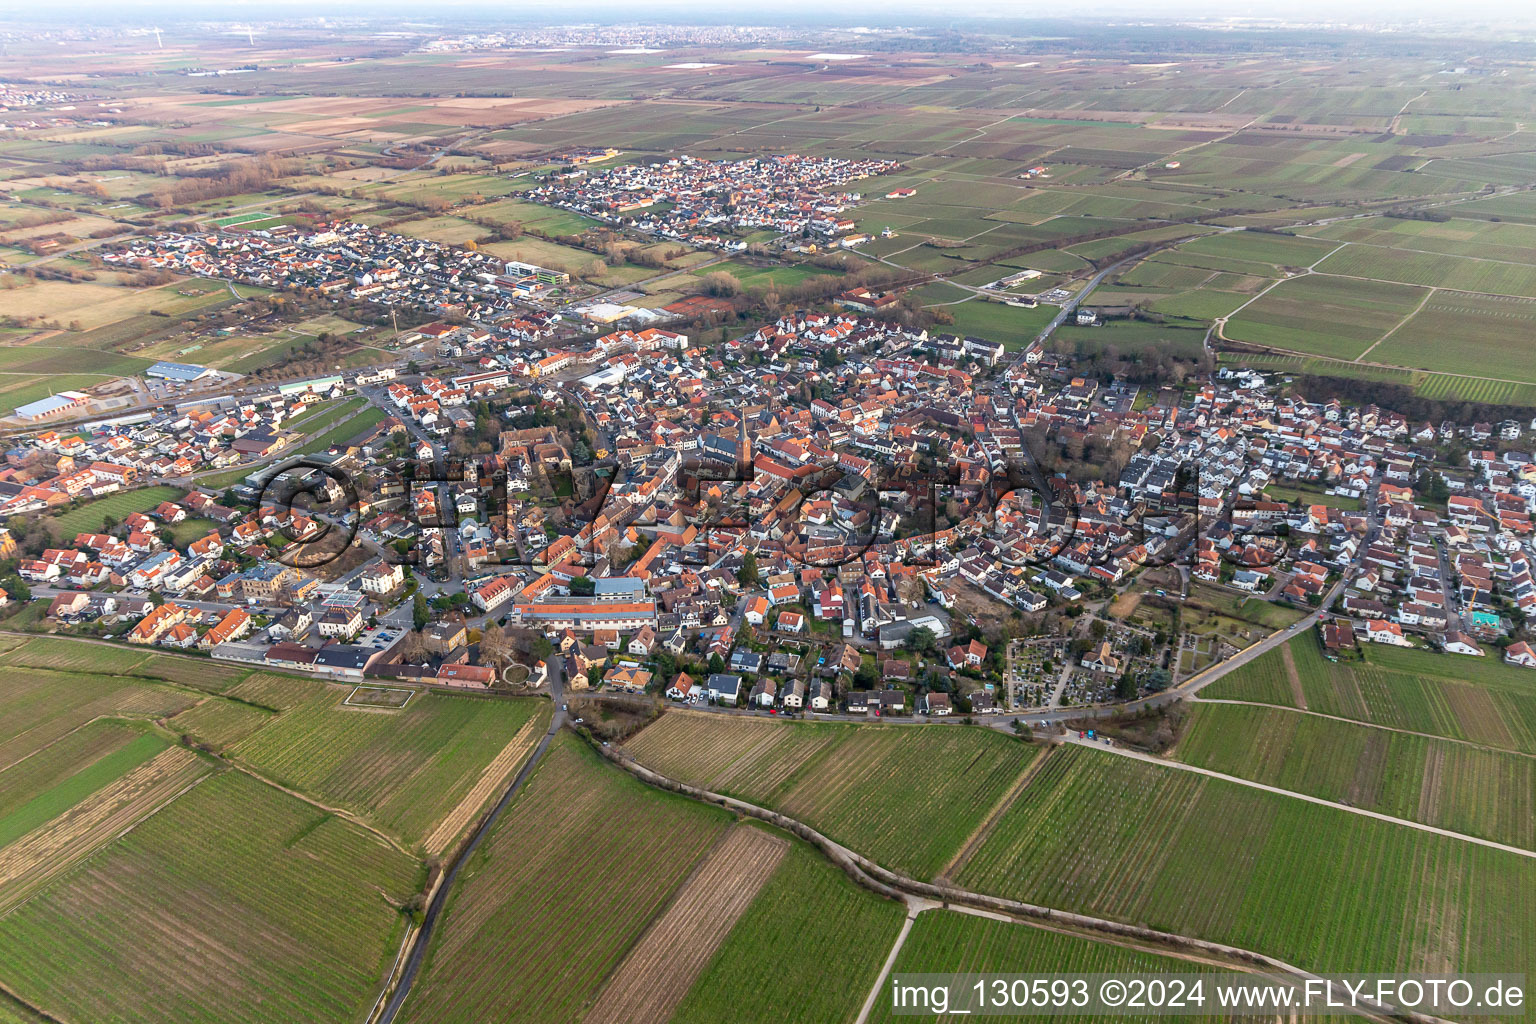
x: 1455, y: 786
x: 556, y: 865
x: 1014, y: 326
x: 344, y: 431
x: 285, y: 911
x: 1321, y: 888
x: 1330, y: 316
x: 1433, y: 269
x: 1134, y: 337
x: 891, y: 792
x: 38, y: 707
x: 38, y: 789
x: 70, y: 655
x: 1311, y: 496
x: 813, y: 915
x: 1467, y: 334
x: 88, y: 518
x: 404, y: 770
x: 1480, y: 700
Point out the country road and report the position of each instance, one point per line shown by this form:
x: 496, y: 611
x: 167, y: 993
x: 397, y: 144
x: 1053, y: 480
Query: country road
x: 422, y: 941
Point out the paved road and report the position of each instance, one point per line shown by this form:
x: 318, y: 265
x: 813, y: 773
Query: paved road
x: 434, y: 911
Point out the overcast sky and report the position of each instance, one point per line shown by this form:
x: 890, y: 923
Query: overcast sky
x: 1495, y: 13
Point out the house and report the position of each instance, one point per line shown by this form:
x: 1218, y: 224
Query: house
x: 1380, y: 632
x: 382, y: 578
x: 1520, y: 653
x: 764, y: 693
x: 970, y: 655
x: 724, y: 689
x: 1459, y: 643
x: 757, y: 611
x: 155, y: 624
x: 234, y: 625
x: 293, y: 624
x: 793, y: 697
x: 630, y: 680
x: 643, y: 643
x: 936, y: 704
x: 984, y: 704
x: 341, y: 623
x: 69, y: 606
x: 181, y: 635
x: 790, y: 622
x: 472, y: 677
x: 821, y: 696
x: 684, y: 688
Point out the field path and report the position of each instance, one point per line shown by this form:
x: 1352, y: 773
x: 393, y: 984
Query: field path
x: 915, y: 905
x: 1180, y: 766
x: 1367, y: 725
x: 415, y: 944
x: 1294, y: 676
x: 1415, y: 312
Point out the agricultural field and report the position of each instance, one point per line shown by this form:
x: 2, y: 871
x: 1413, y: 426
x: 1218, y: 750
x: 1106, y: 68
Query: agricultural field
x: 1114, y: 836
x: 1331, y: 316
x: 91, y: 516
x: 1265, y: 680
x: 555, y: 864
x: 1451, y: 785
x: 60, y: 827
x: 97, y: 304
x: 73, y: 656
x: 812, y: 915
x: 1457, y: 273
x: 1127, y: 337
x: 889, y: 792
x: 664, y: 964
x: 1467, y: 334
x: 404, y: 770
x: 1277, y: 250
x: 1479, y: 700
x: 288, y: 913
x: 218, y: 723
x: 1014, y: 326
x: 38, y: 706
x: 952, y: 942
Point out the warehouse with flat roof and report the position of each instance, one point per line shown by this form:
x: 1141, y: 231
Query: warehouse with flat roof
x: 180, y: 373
